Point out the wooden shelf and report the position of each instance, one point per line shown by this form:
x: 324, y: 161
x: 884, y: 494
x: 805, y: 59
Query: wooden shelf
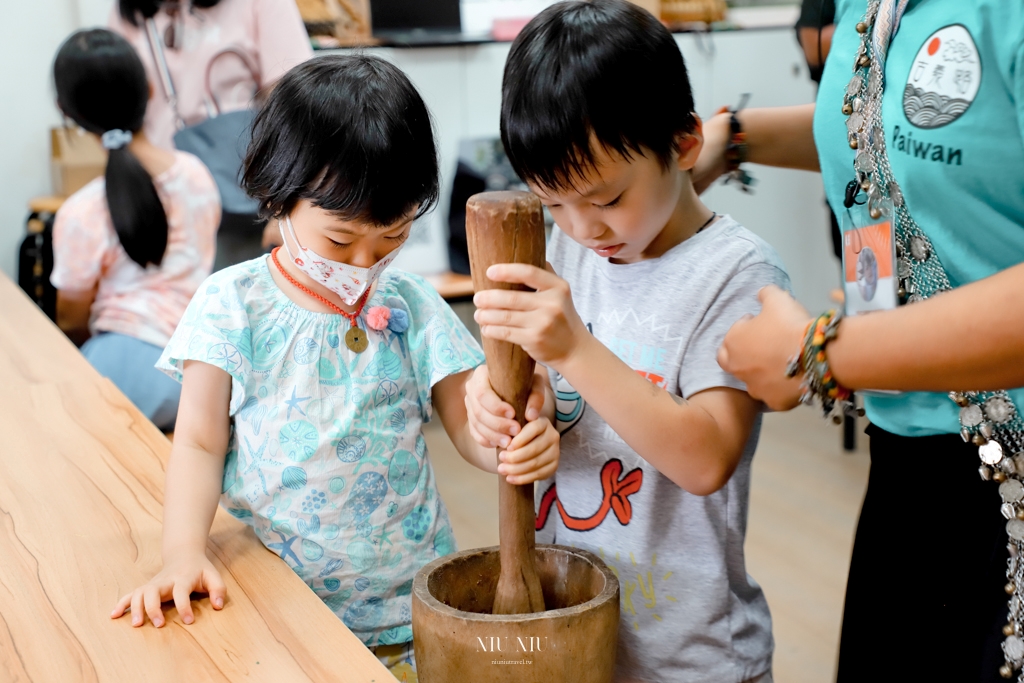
x: 45, y: 204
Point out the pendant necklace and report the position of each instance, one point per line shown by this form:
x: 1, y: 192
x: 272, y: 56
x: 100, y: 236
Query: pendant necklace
x: 355, y: 338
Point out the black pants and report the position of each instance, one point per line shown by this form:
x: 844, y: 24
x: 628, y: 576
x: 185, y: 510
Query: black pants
x: 925, y: 598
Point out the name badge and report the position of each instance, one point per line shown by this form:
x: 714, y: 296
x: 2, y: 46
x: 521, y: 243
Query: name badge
x: 869, y: 260
x: 870, y: 281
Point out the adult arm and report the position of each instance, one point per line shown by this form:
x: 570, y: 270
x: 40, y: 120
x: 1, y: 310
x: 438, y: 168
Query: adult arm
x: 776, y: 136
x: 970, y: 338
x: 810, y: 42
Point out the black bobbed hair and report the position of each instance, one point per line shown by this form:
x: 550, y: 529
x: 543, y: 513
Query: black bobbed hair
x: 350, y: 134
x: 604, y: 70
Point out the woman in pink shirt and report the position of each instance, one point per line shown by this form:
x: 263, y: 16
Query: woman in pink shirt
x: 206, y: 36
x: 131, y: 248
x: 269, y: 33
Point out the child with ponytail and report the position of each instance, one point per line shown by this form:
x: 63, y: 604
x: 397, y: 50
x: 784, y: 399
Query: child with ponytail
x: 130, y: 248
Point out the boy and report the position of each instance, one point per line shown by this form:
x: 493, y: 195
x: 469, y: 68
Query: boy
x: 657, y: 439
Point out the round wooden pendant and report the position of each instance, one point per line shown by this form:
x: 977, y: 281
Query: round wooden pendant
x: 356, y: 340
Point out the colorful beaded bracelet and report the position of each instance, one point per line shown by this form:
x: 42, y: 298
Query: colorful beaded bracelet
x: 812, y: 360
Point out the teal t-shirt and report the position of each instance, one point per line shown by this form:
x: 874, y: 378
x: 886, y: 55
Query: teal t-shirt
x: 953, y: 120
x: 327, y: 461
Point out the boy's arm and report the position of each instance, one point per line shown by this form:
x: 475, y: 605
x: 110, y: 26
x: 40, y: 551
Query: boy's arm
x: 192, y: 489
x: 696, y: 443
x: 533, y: 452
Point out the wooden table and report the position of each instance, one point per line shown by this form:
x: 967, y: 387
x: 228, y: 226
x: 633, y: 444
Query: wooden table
x: 81, y: 490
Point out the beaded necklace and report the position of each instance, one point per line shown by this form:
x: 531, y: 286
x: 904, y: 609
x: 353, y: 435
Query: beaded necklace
x: 989, y: 419
x: 355, y: 338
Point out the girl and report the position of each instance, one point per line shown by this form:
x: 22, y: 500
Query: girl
x: 307, y: 375
x: 131, y: 248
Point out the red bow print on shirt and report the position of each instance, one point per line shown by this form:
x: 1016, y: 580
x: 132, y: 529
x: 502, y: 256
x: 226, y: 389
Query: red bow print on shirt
x: 616, y: 499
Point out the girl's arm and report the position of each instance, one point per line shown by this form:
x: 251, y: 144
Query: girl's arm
x: 776, y: 136
x: 73, y: 308
x: 193, y: 487
x: 530, y: 456
x: 971, y: 338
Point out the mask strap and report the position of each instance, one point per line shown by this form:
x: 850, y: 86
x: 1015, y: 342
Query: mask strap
x: 291, y: 232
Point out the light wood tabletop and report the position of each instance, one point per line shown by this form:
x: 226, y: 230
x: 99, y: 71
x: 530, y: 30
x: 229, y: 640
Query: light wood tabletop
x: 452, y: 286
x: 81, y: 490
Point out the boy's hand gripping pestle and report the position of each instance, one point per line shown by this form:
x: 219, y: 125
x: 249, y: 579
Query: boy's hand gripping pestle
x: 508, y: 227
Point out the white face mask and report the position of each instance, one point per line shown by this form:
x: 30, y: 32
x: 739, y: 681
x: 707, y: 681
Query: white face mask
x: 348, y: 282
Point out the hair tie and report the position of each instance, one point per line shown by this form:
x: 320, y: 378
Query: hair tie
x: 116, y: 138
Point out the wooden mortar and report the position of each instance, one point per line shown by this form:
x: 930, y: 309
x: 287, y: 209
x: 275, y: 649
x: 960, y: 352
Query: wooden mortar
x: 457, y: 638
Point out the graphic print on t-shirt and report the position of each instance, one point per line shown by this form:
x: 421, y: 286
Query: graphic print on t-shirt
x: 616, y: 490
x: 944, y: 78
x: 648, y: 361
x: 569, y: 405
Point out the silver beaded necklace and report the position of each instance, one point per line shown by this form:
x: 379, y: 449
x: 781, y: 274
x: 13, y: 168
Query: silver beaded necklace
x: 989, y: 419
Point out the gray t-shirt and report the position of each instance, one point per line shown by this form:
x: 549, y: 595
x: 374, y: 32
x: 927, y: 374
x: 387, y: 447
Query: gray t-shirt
x: 690, y: 613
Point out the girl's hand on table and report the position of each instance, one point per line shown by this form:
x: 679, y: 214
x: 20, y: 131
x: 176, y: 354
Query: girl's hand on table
x: 176, y: 581
x: 757, y: 349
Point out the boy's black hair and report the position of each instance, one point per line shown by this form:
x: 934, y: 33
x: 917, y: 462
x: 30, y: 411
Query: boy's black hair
x: 605, y: 68
x: 101, y: 85
x: 350, y: 134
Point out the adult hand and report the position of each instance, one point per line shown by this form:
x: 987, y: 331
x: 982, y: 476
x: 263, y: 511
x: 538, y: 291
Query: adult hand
x: 757, y: 349
x: 710, y: 164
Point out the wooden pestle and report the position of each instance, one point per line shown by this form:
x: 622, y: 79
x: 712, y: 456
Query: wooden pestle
x: 508, y: 227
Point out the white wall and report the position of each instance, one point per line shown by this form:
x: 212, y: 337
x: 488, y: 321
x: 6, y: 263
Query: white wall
x: 93, y: 12
x: 30, y: 33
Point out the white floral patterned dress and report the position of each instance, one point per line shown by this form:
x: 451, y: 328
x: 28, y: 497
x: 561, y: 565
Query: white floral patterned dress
x: 326, y: 460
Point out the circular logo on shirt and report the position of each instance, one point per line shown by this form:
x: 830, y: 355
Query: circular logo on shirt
x: 943, y: 79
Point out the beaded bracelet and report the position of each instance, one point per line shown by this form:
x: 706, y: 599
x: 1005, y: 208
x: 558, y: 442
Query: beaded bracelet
x: 818, y: 382
x: 736, y: 150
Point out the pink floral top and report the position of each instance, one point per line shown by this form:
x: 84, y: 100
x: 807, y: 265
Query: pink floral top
x: 144, y: 303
